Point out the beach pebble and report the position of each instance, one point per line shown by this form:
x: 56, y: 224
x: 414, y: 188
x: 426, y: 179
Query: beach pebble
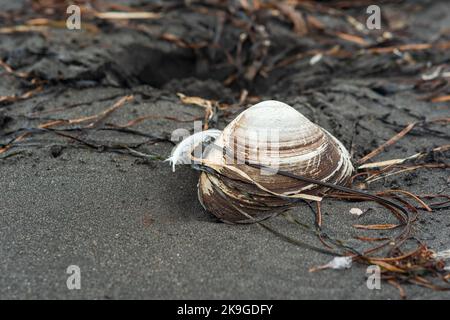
x: 356, y: 211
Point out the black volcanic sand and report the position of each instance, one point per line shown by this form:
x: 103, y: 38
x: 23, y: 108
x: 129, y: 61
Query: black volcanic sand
x: 136, y: 229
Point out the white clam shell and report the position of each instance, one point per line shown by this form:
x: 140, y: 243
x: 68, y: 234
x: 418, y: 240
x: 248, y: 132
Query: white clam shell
x: 273, y: 134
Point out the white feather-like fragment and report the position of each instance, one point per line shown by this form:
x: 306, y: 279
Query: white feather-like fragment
x: 182, y: 152
x: 445, y: 254
x: 339, y: 263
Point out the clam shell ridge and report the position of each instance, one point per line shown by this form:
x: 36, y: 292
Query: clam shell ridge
x: 273, y: 134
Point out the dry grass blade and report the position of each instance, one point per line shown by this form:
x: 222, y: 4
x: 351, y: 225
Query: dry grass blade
x: 23, y: 28
x: 102, y: 116
x: 411, y: 47
x: 319, y: 215
x: 204, y: 103
x: 400, y: 161
x: 24, y: 96
x: 11, y: 71
x: 97, y: 119
x: 352, y: 38
x: 441, y: 99
x: 387, y: 266
x: 386, y: 226
x: 399, y: 287
x: 127, y: 15
x: 371, y: 239
x: 407, y: 169
x: 388, y: 143
x: 295, y: 16
x: 409, y: 194
x: 154, y: 117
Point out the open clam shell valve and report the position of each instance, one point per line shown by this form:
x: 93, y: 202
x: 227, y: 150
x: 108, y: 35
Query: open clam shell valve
x: 275, y: 135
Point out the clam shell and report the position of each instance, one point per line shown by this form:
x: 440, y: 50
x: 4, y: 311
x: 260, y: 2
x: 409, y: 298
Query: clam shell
x: 273, y: 134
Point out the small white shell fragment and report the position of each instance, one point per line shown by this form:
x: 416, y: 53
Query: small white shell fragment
x: 445, y: 254
x: 433, y: 75
x: 316, y: 58
x: 356, y: 211
x: 339, y: 263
